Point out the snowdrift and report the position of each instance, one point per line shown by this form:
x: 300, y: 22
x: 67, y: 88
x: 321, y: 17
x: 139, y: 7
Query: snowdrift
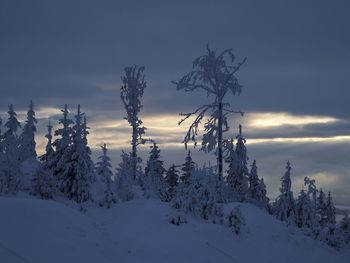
x: 38, y: 231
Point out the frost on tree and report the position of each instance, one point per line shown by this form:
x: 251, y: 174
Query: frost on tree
x: 215, y: 74
x: 257, y: 190
x: 44, y: 184
x: 171, y: 181
x: 27, y: 139
x: 306, y: 214
x: 131, y: 93
x: 154, y: 182
x: 321, y: 208
x: 103, y: 170
x: 62, y: 144
x: 10, y: 177
x: 76, y: 166
x: 124, y: 178
x: 198, y: 196
x: 284, y: 206
x: 187, y: 168
x: 237, y: 173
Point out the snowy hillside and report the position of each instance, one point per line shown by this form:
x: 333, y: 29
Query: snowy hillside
x: 37, y: 231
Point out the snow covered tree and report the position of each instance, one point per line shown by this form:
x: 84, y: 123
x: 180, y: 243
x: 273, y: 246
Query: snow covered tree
x: 284, y: 206
x: 330, y: 210
x: 321, y: 208
x: 256, y: 193
x: 344, y: 227
x: 124, y: 178
x: 237, y: 174
x: 171, y: 181
x: 198, y: 196
x: 27, y: 139
x: 44, y: 184
x: 312, y: 190
x: 187, y: 168
x: 49, y: 151
x: 214, y: 74
x: 76, y: 165
x: 10, y: 174
x: 235, y: 220
x: 305, y: 212
x: 62, y: 144
x: 131, y: 93
x: 155, y: 183
x: 103, y: 170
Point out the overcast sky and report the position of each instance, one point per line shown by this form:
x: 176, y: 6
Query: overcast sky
x: 295, y: 81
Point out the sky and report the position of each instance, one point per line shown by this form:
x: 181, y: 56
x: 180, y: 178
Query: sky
x: 295, y: 82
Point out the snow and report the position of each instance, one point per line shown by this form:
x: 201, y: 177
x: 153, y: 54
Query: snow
x: 33, y: 230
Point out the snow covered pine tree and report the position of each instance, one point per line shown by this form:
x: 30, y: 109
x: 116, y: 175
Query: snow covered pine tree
x: 10, y: 177
x: 284, y: 206
x: 103, y: 170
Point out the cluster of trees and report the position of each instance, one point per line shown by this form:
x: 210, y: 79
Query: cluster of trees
x: 66, y: 169
x: 312, y: 211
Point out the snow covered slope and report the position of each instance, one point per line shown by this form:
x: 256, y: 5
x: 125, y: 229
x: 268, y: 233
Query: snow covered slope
x: 38, y: 231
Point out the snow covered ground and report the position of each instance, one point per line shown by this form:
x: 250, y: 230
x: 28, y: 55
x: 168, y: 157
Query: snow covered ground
x: 38, y: 231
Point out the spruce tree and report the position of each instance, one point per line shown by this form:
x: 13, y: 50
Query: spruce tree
x: 76, y: 165
x: 284, y: 206
x: 154, y: 172
x: 44, y: 184
x: 305, y: 212
x: 103, y: 170
x: 27, y: 139
x: 237, y: 174
x: 321, y: 208
x: 171, y: 181
x: 330, y: 210
x: 62, y: 144
x: 187, y: 168
x: 10, y: 177
x: 256, y: 193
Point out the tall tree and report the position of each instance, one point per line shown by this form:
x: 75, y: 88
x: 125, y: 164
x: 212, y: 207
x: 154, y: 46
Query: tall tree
x: 330, y: 210
x: 27, y: 139
x: 284, y: 206
x: 76, y: 165
x: 131, y: 93
x: 214, y: 74
x: 62, y: 143
x: 10, y: 177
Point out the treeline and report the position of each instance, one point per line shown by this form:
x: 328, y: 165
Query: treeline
x: 67, y: 171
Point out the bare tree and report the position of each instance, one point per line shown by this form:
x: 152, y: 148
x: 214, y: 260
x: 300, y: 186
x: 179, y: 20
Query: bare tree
x: 131, y: 93
x: 214, y: 74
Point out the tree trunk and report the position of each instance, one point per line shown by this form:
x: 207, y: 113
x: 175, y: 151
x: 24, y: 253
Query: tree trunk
x: 134, y: 152
x: 219, y: 160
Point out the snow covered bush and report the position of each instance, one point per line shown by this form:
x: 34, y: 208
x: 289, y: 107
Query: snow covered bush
x: 199, y: 197
x: 178, y: 218
x: 235, y: 220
